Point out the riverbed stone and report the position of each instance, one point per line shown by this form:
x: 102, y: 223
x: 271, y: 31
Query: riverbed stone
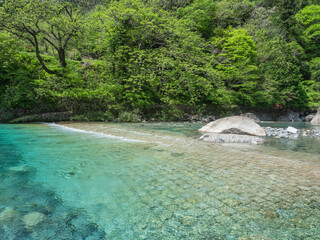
x: 234, y: 125
x: 292, y: 130
x: 231, y: 138
x: 32, y: 219
x: 316, y: 119
x: 284, y: 135
x: 292, y: 134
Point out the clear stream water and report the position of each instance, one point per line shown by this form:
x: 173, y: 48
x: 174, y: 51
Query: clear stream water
x: 154, y: 181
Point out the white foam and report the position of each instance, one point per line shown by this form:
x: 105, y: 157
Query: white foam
x: 98, y: 134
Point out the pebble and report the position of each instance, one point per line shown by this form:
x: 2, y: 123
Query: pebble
x: 292, y: 130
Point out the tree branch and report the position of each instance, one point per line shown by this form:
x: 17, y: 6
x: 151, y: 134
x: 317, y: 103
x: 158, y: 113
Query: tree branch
x: 51, y: 43
x: 36, y: 45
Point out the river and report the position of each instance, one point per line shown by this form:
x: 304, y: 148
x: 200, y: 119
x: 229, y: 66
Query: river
x: 154, y: 181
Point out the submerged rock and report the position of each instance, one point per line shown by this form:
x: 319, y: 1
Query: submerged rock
x: 316, y: 119
x: 234, y: 125
x: 32, y: 219
x: 231, y: 138
x: 20, y: 168
x: 7, y: 214
x: 294, y: 136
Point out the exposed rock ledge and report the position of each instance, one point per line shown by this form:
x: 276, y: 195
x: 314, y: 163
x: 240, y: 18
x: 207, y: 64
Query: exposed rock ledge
x: 231, y: 138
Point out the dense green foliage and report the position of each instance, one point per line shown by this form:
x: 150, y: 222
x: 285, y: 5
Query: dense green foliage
x: 160, y: 58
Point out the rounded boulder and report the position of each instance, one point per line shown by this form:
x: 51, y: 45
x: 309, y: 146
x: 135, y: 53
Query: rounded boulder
x: 234, y: 125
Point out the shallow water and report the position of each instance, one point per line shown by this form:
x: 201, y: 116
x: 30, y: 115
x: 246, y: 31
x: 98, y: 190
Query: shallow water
x: 154, y: 181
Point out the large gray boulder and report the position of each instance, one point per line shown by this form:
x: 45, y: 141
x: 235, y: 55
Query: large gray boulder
x: 234, y: 125
x: 316, y: 119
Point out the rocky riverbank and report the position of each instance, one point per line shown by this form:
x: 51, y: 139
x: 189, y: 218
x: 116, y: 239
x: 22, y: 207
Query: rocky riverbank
x: 244, y: 129
x: 289, y: 133
x: 283, y: 116
x: 292, y: 133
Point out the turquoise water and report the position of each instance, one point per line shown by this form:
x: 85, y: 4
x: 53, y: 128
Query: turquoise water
x: 153, y: 181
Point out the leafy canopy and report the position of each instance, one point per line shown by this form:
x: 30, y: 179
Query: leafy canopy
x: 310, y: 18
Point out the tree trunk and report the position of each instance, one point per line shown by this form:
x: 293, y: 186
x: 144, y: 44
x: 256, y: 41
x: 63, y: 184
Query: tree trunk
x: 62, y: 57
x: 36, y: 45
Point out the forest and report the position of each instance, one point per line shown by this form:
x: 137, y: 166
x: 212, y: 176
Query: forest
x: 162, y: 59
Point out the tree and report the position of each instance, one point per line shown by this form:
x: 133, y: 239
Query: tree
x: 8, y: 52
x: 232, y: 12
x: 200, y: 16
x: 156, y: 57
x: 310, y: 18
x: 285, y: 11
x: 313, y: 85
x: 170, y: 5
x: 279, y: 61
x: 236, y: 63
x: 43, y: 21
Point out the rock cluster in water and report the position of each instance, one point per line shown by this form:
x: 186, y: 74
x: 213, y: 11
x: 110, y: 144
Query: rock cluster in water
x: 231, y: 138
x: 291, y: 132
x: 244, y: 129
